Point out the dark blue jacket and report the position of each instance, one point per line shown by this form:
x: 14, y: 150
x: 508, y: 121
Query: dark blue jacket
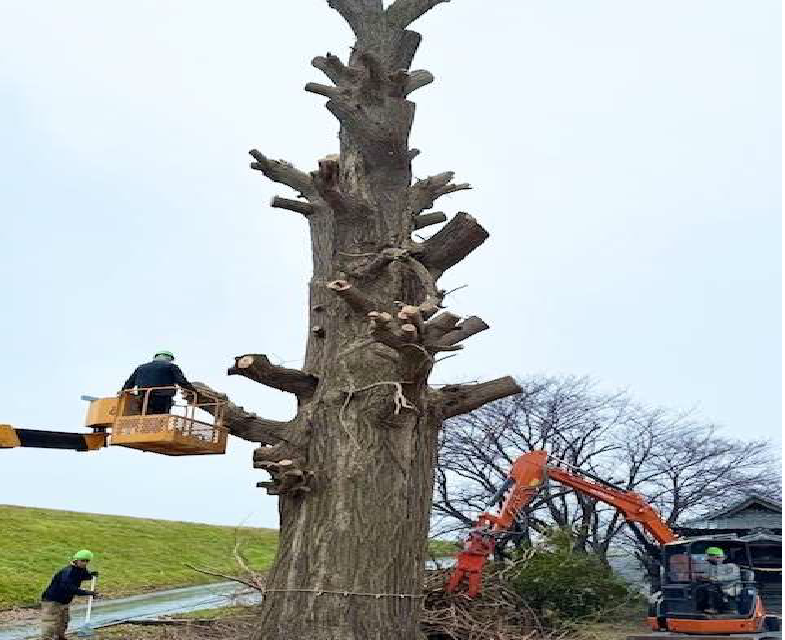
x: 158, y: 373
x: 65, y: 585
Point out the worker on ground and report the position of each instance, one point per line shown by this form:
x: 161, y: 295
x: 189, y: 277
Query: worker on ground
x: 724, y: 581
x: 61, y: 591
x: 160, y: 372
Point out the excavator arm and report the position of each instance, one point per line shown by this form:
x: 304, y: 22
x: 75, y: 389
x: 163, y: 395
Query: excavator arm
x: 526, y: 477
x: 12, y: 437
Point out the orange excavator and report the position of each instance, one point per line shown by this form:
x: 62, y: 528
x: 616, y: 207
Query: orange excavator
x: 676, y: 610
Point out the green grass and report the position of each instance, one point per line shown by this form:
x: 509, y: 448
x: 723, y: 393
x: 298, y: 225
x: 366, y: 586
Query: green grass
x: 443, y: 548
x: 131, y: 554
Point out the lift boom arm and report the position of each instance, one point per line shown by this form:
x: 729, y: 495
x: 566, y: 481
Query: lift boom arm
x: 12, y: 437
x: 527, y: 476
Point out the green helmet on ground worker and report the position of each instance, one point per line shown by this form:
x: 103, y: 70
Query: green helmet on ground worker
x: 84, y: 554
x: 715, y: 552
x: 167, y: 354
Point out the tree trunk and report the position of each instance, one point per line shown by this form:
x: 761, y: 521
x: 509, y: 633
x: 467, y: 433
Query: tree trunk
x: 354, y: 468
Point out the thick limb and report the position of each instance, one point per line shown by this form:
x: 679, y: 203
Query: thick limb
x: 463, y: 398
x: 451, y: 244
x: 257, y: 367
x: 247, y: 425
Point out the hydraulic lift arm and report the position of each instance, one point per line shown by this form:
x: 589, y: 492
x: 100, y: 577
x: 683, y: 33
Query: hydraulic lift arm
x: 12, y: 437
x: 526, y: 478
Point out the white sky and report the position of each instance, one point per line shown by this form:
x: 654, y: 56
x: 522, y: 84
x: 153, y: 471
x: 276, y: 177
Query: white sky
x: 625, y: 157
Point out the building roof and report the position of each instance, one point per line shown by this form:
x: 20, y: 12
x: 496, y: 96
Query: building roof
x: 754, y: 512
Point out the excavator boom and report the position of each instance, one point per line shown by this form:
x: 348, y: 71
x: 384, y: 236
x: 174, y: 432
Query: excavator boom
x: 526, y: 477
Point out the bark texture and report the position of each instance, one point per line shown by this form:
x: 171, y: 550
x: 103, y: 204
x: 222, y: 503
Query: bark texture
x: 354, y: 468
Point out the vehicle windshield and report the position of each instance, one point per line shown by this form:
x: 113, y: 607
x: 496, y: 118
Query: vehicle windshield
x: 688, y: 562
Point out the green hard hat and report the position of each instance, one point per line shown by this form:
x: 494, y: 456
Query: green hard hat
x: 84, y: 554
x: 715, y: 551
x: 164, y: 353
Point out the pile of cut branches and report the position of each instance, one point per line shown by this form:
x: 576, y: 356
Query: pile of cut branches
x: 237, y: 626
x: 499, y: 614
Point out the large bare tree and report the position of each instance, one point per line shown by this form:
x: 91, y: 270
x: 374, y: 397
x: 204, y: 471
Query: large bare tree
x: 684, y: 465
x: 354, y: 468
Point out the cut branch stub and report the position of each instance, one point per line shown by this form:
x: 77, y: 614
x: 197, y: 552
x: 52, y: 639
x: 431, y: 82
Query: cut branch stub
x: 257, y: 367
x: 298, y: 206
x: 286, y: 469
x: 333, y: 68
x: 427, y: 219
x: 436, y: 327
x: 466, y: 329
x: 417, y: 79
x: 323, y: 90
x: 412, y: 315
x: 381, y: 329
x: 379, y: 261
x: 356, y: 299
x: 451, y: 244
x: 463, y: 398
x: 423, y: 193
x: 283, y: 172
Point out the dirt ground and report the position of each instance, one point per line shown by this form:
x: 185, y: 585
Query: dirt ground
x: 226, y: 629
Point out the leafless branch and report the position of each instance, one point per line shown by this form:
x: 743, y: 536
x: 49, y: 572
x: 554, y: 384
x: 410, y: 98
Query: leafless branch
x: 427, y: 219
x: 462, y: 398
x: 333, y: 68
x: 298, y: 206
x: 257, y: 367
x: 247, y: 425
x: 283, y: 172
x: 217, y: 574
x: 354, y: 297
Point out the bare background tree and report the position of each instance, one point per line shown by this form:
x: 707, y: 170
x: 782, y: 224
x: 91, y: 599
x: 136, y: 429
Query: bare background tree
x: 685, y: 466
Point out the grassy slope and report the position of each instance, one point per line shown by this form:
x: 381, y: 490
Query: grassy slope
x: 132, y: 554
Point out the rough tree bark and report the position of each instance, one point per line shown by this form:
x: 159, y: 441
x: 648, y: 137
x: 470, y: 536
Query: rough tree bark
x: 354, y: 468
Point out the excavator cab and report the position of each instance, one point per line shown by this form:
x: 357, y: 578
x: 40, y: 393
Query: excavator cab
x: 193, y: 427
x: 690, y: 602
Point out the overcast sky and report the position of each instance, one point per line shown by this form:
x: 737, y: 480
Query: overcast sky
x: 625, y: 157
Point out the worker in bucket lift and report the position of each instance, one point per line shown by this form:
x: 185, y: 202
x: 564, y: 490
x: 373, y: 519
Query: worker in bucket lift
x: 57, y: 597
x: 724, y: 582
x: 161, y: 371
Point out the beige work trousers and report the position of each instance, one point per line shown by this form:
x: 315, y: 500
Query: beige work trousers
x: 54, y: 620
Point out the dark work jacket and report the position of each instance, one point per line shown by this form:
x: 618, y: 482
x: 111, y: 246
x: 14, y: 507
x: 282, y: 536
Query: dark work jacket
x: 158, y: 373
x: 65, y: 585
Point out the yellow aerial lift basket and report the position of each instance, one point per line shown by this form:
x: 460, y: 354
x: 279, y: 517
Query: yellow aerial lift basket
x: 181, y: 432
